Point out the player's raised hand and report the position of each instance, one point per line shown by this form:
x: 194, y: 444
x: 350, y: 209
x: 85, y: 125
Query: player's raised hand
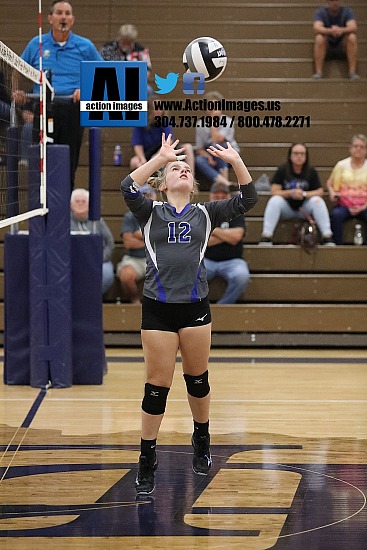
x: 228, y: 154
x: 167, y: 152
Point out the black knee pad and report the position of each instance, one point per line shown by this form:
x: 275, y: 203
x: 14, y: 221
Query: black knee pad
x: 197, y: 386
x: 155, y: 399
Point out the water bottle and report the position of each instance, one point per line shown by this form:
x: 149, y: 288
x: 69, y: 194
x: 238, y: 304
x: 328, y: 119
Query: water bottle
x: 358, y: 235
x: 117, y: 155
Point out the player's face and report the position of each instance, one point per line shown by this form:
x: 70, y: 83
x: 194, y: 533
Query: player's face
x: 178, y: 174
x: 62, y: 18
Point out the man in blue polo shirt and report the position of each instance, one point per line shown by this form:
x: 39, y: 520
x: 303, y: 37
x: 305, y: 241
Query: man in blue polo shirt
x: 62, y: 53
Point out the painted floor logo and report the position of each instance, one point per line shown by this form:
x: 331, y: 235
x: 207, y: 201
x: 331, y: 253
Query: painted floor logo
x: 114, y: 94
x: 251, y: 496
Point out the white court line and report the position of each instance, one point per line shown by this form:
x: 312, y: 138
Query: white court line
x: 118, y: 399
x: 16, y: 399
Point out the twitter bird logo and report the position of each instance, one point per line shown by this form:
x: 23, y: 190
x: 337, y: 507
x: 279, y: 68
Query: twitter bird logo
x: 167, y: 84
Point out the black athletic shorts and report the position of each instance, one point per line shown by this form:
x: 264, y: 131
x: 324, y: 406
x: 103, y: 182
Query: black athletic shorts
x: 172, y: 317
x: 335, y: 49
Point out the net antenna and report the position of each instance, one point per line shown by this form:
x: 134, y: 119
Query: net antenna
x: 15, y: 170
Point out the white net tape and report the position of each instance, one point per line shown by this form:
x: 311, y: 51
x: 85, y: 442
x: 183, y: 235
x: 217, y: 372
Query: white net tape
x: 12, y: 59
x: 22, y: 159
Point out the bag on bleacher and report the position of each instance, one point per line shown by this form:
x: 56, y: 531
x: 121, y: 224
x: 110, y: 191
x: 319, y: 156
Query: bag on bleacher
x: 262, y: 183
x: 308, y: 233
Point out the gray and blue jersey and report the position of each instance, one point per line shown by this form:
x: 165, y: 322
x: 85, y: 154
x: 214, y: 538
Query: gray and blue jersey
x: 175, y: 242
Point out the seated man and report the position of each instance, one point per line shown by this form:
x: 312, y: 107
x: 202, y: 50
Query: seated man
x: 347, y: 187
x: 335, y: 29
x: 223, y: 257
x: 79, y: 206
x: 131, y: 269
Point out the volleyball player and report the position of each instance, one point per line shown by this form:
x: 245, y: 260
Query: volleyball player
x: 175, y: 308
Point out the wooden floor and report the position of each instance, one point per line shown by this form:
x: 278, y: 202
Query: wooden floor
x: 289, y: 444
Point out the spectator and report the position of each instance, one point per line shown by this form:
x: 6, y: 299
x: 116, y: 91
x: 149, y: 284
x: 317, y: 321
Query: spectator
x: 125, y: 48
x: 223, y: 257
x: 79, y: 210
x: 132, y: 267
x: 335, y: 28
x: 147, y: 141
x: 296, y: 186
x: 62, y: 53
x: 214, y: 169
x: 348, y: 188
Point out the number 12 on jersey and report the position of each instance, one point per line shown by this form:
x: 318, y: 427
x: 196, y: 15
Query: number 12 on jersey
x: 183, y: 232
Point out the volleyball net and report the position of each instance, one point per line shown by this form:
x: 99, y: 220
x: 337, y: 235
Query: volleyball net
x: 24, y: 92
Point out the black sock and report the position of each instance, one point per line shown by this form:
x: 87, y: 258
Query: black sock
x: 201, y: 429
x: 147, y: 447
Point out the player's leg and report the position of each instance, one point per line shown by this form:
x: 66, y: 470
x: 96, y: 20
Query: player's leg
x: 195, y: 348
x: 160, y: 350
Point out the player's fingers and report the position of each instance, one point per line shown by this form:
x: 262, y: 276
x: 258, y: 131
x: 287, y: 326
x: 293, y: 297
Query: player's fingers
x: 176, y: 142
x: 220, y: 147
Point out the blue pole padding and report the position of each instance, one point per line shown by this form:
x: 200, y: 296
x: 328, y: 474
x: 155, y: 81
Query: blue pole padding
x: 94, y: 174
x: 50, y: 279
x: 88, y: 347
x: 16, y: 310
x: 12, y: 157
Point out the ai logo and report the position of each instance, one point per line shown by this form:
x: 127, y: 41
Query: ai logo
x: 114, y: 93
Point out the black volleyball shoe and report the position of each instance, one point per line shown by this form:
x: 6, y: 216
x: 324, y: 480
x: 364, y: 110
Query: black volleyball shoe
x: 202, y: 460
x: 144, y: 482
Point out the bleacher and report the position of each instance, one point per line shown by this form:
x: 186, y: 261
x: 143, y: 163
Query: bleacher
x: 294, y: 298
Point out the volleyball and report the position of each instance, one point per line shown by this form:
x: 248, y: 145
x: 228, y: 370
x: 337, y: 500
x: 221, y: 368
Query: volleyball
x: 205, y: 55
